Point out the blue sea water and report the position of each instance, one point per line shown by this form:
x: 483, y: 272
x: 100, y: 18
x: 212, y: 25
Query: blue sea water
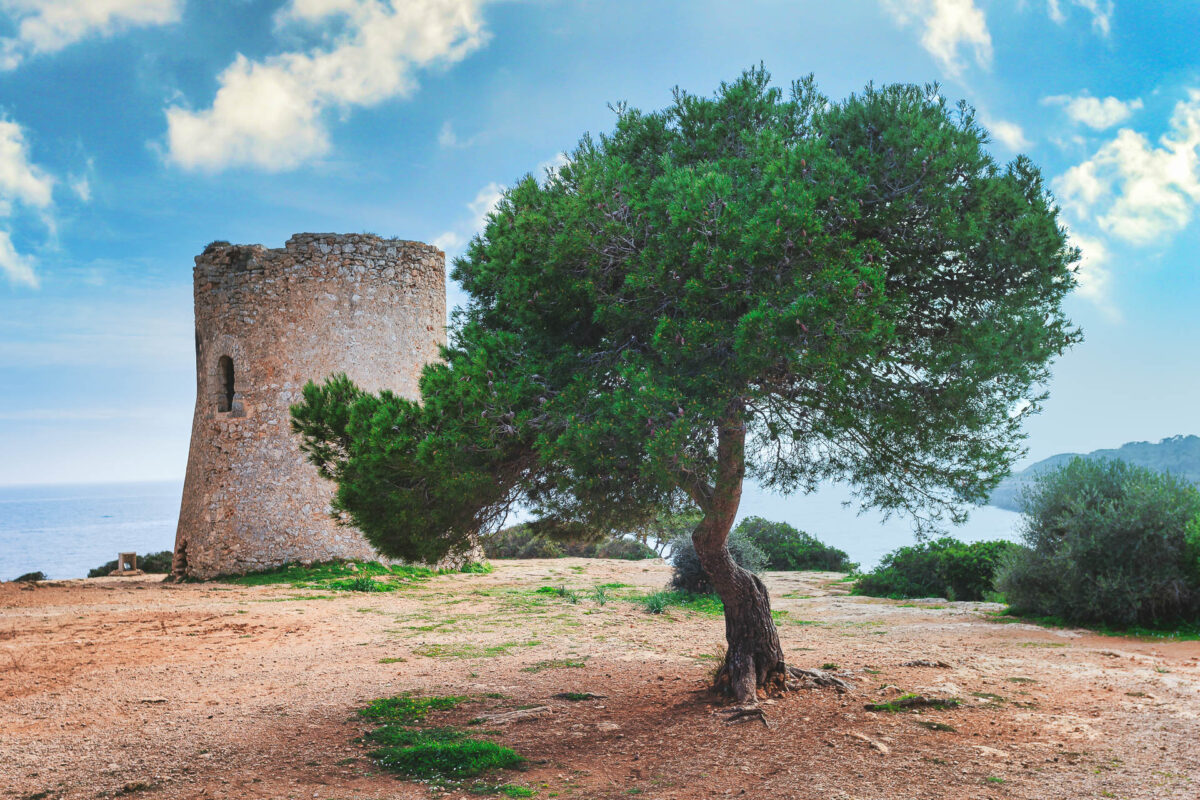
x: 65, y: 530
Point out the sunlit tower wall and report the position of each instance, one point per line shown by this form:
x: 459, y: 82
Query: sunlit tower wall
x: 267, y: 322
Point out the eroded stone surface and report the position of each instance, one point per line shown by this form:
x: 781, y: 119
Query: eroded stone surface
x: 276, y: 318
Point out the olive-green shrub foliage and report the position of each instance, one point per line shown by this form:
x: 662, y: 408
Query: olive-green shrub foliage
x: 686, y: 573
x: 943, y: 567
x: 1108, y: 542
x: 151, y: 562
x: 30, y: 577
x: 519, y: 541
x: 789, y: 549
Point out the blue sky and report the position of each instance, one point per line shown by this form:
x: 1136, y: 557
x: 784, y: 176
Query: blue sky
x: 133, y: 132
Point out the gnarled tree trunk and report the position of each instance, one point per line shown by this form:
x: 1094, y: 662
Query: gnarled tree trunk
x: 754, y: 657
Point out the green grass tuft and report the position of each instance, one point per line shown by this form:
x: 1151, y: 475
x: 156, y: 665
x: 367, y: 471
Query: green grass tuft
x: 433, y: 759
x: 406, y: 708
x: 659, y: 602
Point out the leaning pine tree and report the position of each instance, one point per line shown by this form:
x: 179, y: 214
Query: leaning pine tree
x: 753, y: 284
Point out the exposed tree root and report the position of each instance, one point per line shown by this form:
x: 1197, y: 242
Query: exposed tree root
x: 742, y: 713
x: 812, y: 678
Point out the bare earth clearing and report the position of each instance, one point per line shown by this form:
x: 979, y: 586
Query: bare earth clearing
x: 136, y: 688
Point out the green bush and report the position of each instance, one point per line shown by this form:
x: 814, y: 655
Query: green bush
x: 157, y: 563
x: 1108, y: 542
x: 789, y: 549
x: 943, y: 567
x: 518, y: 541
x: 688, y: 576
x: 30, y: 577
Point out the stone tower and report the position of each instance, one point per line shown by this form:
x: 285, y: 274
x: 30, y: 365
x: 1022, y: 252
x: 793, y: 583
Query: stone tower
x: 267, y: 322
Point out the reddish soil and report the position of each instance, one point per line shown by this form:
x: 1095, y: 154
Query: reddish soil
x: 131, y: 687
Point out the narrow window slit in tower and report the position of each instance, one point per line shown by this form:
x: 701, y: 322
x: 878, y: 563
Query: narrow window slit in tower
x: 225, y: 374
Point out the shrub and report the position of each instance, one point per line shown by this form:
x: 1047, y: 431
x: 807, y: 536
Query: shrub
x: 30, y: 577
x: 688, y: 576
x: 518, y: 541
x: 155, y: 563
x: 943, y: 567
x: 1109, y: 542
x: 789, y: 549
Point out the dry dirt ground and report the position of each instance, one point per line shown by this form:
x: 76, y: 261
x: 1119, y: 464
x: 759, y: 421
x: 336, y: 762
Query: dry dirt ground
x: 131, y: 687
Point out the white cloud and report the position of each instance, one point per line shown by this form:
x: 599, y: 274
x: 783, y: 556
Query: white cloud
x: 1009, y: 134
x: 1101, y: 13
x: 1136, y: 190
x: 271, y: 114
x: 1095, y: 112
x: 1093, y: 274
x: 82, y: 188
x: 22, y: 183
x: 47, y: 26
x: 949, y: 25
x: 17, y: 267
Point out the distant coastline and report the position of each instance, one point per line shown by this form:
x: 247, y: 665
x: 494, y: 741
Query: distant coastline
x: 1178, y: 455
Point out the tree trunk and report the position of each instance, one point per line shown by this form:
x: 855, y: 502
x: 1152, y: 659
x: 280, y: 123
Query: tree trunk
x: 754, y: 657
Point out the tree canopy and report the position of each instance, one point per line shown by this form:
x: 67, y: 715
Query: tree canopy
x: 756, y: 283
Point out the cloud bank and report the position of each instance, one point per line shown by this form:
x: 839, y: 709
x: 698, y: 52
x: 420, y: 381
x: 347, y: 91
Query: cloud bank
x: 23, y: 184
x: 273, y: 114
x: 47, y: 26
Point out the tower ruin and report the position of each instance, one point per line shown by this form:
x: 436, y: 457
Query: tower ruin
x: 267, y: 322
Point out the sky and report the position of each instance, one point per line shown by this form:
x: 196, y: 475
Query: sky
x: 134, y: 132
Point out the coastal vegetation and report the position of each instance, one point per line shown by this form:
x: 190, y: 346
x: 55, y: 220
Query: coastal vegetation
x: 943, y: 567
x: 1108, y: 542
x: 757, y: 283
x: 153, y: 563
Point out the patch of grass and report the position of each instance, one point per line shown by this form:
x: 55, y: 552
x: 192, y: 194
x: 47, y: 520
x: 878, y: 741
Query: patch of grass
x: 343, y: 576
x: 392, y: 660
x: 434, y: 759
x: 994, y: 779
x: 570, y: 595
x: 477, y: 568
x: 659, y: 602
x: 995, y: 698
x: 556, y: 663
x: 469, y: 650
x: 600, y: 595
x: 936, y: 726
x: 577, y: 697
x: 407, y: 708
x: 615, y: 586
x: 830, y: 665
x: 363, y: 583
x: 506, y: 789
x: 909, y: 702
x: 440, y: 756
x: 1020, y: 680
x: 1042, y: 644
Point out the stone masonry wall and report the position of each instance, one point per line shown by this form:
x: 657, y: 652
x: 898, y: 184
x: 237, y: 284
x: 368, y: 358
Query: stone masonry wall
x: 370, y: 307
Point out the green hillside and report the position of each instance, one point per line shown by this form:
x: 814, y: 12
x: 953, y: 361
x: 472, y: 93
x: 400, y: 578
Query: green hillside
x: 1179, y: 455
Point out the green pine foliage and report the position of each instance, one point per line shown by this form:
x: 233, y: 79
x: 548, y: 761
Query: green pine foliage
x: 788, y: 549
x: 943, y: 567
x: 833, y: 290
x: 1108, y: 543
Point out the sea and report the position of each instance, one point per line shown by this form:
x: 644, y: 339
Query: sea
x: 66, y: 530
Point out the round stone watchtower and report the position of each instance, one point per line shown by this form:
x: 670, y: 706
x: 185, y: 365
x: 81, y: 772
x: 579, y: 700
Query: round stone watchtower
x: 267, y: 322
